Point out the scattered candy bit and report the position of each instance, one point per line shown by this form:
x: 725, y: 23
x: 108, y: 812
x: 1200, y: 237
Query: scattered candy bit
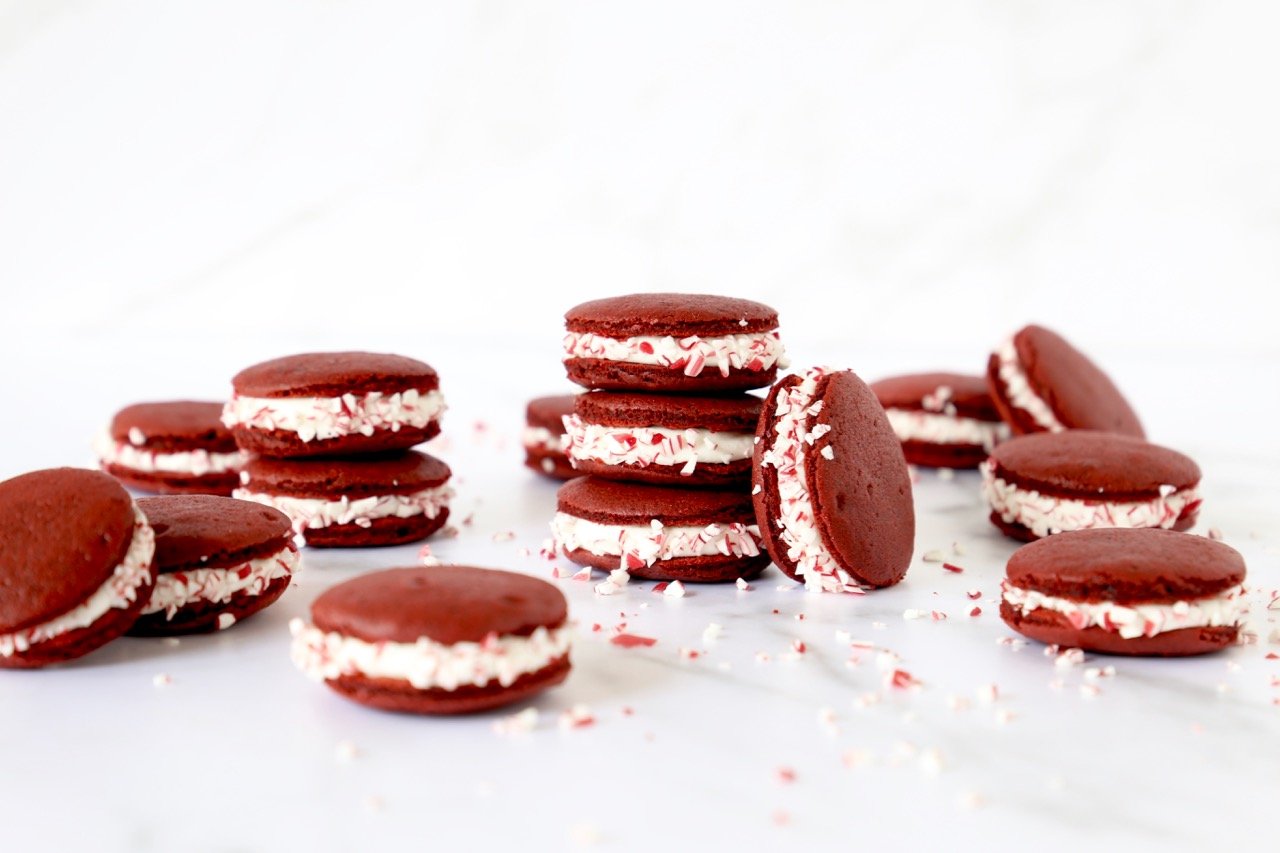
x: 900, y: 679
x: 172, y: 642
x: 912, y: 613
x: 689, y: 654
x: 1093, y: 673
x: 866, y: 700
x: 786, y: 775
x: 426, y: 557
x: 1004, y: 716
x: 974, y: 594
x: 1215, y: 534
x: 712, y: 632
x: 162, y: 679
x: 782, y: 817
x: 931, y: 762
x: 988, y: 693
x: 742, y: 585
x: 521, y: 722
x: 1070, y: 657
x: 577, y: 717
x: 762, y: 657
x: 675, y: 589
x: 225, y: 621
x: 582, y: 574
x: 952, y: 567
x: 630, y: 641
x: 827, y: 719
x: 977, y: 611
x: 934, y: 556
x: 798, y: 646
x: 937, y: 615
x: 854, y: 758
x: 618, y: 578
x: 344, y: 752
x: 1089, y: 691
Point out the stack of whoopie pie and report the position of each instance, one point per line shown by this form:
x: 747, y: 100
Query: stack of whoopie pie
x: 329, y: 437
x: 665, y: 435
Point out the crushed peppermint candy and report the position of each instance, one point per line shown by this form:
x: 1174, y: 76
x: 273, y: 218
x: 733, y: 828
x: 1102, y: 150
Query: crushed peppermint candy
x: 577, y: 717
x: 521, y: 722
x: 675, y: 589
x: 631, y: 641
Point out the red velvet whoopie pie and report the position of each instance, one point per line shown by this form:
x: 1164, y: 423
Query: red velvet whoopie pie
x: 672, y: 343
x: 218, y: 561
x: 831, y: 487
x: 944, y: 420
x: 171, y: 447
x: 75, y: 565
x: 1137, y: 591
x: 334, y: 403
x: 438, y: 640
x: 544, y: 429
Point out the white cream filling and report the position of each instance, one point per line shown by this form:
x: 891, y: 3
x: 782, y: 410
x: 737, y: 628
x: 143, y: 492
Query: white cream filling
x: 426, y: 664
x: 175, y: 590
x: 194, y: 463
x: 321, y: 418
x: 1044, y: 515
x: 1136, y: 620
x: 645, y: 446
x: 1018, y: 392
x: 914, y: 425
x: 815, y: 564
x: 313, y: 513
x: 637, y: 546
x: 542, y: 440
x: 119, y: 592
x: 693, y: 354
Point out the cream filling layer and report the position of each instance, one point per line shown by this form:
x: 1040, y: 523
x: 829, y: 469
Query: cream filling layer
x: 693, y: 354
x: 313, y: 513
x: 1044, y: 514
x: 815, y: 564
x: 119, y: 592
x: 542, y: 440
x: 1017, y: 389
x: 321, y: 418
x: 175, y: 590
x: 194, y: 463
x: 914, y: 425
x: 637, y: 546
x: 645, y: 446
x: 426, y: 664
x: 1136, y: 620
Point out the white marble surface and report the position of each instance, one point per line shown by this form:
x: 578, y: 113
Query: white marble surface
x: 188, y: 188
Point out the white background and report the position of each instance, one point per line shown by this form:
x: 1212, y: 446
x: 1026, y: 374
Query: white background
x: 188, y: 188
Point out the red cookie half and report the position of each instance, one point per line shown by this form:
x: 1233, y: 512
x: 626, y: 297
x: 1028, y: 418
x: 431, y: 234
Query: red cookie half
x: 832, y: 491
x: 172, y: 447
x: 356, y: 501
x: 701, y: 442
x: 440, y: 640
x: 544, y: 427
x: 672, y: 343
x: 334, y: 403
x: 1046, y: 483
x: 218, y: 561
x: 944, y: 420
x: 1127, y: 592
x: 1040, y: 382
x: 658, y: 532
x: 75, y: 565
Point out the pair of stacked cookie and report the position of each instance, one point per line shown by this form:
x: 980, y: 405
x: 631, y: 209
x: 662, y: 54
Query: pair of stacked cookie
x: 83, y: 563
x: 664, y: 435
x: 329, y: 437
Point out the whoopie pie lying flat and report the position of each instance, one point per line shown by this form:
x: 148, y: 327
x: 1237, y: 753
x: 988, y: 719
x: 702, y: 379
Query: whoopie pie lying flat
x: 218, y: 561
x: 333, y: 403
x: 441, y: 640
x: 653, y: 438
x: 1046, y: 483
x: 177, y: 447
x: 75, y: 565
x: 944, y: 420
x: 832, y: 491
x: 658, y: 532
x: 543, y: 451
x: 1127, y: 592
x: 672, y: 342
x: 355, y: 501
x: 1039, y: 382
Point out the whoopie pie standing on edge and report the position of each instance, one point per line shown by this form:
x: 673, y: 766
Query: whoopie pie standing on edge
x: 1046, y: 483
x: 672, y: 343
x: 75, y: 565
x: 442, y: 640
x: 1040, y: 383
x: 698, y: 442
x: 832, y: 492
x: 218, y: 561
x: 544, y: 429
x: 658, y: 532
x: 1127, y: 592
x: 944, y: 420
x: 354, y: 501
x: 335, y: 403
x: 177, y: 447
